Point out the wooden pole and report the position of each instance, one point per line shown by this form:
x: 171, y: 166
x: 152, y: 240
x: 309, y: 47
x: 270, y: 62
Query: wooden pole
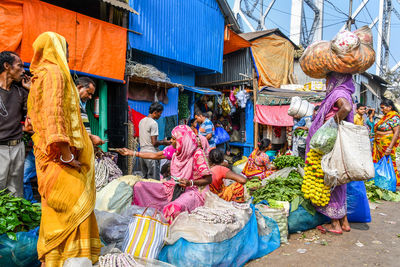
x: 255, y: 94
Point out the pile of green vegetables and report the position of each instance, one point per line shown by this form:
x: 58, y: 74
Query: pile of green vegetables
x: 284, y: 189
x: 17, y: 215
x: 375, y: 193
x: 288, y: 161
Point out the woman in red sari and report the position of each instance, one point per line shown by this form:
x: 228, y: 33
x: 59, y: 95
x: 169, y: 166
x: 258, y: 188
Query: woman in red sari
x: 387, y: 134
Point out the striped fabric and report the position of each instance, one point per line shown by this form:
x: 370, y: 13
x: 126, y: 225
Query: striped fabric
x: 145, y: 237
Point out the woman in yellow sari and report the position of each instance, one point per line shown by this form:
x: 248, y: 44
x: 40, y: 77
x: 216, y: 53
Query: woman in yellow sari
x: 387, y: 134
x: 64, y: 158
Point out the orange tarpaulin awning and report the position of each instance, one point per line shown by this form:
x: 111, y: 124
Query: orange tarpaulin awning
x: 233, y: 42
x: 10, y: 25
x: 95, y: 47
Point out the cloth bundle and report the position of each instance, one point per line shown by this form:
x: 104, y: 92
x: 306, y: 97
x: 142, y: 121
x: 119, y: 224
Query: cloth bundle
x: 348, y: 52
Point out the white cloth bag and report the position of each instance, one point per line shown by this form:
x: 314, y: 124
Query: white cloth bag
x: 351, y: 157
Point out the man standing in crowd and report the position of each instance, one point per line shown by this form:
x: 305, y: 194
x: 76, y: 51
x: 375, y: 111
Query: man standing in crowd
x: 86, y: 88
x: 148, y: 140
x: 206, y: 127
x: 12, y: 111
x: 359, y: 116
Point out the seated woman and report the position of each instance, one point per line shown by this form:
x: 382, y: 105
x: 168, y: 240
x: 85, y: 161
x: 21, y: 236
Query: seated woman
x: 259, y: 164
x: 232, y: 192
x: 189, y: 167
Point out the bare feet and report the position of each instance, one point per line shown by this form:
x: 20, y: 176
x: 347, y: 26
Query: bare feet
x: 334, y: 228
x: 345, y: 224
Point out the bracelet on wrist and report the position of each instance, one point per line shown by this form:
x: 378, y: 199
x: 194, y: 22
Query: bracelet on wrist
x: 67, y: 161
x: 192, y: 183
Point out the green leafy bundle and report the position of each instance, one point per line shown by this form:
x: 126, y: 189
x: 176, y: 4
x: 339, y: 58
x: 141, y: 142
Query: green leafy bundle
x: 253, y: 184
x: 288, y: 161
x: 17, y: 215
x: 375, y: 193
x: 284, y: 189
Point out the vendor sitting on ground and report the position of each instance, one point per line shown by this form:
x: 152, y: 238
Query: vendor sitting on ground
x: 189, y: 166
x: 259, y: 164
x: 232, y: 192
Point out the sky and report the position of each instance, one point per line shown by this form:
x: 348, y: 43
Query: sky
x: 334, y: 19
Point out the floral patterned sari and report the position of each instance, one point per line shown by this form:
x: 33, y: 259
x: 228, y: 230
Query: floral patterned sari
x: 382, y: 142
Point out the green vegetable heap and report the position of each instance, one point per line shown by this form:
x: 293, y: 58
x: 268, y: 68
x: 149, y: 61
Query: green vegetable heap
x: 375, y: 193
x: 288, y: 161
x: 17, y: 215
x: 284, y: 189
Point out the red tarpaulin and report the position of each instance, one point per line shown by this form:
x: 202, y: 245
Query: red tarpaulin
x: 135, y: 118
x: 273, y: 115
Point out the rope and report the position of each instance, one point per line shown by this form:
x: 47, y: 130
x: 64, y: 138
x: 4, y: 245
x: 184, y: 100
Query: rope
x: 105, y: 170
x: 118, y: 260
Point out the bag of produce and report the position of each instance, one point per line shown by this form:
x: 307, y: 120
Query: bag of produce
x: 348, y: 52
x: 385, y: 177
x: 351, y: 157
x: 324, y: 139
x: 301, y: 220
x: 279, y: 216
x: 357, y: 203
x: 300, y: 108
x: 19, y: 221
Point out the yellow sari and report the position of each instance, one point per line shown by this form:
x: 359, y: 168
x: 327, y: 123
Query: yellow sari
x: 68, y: 226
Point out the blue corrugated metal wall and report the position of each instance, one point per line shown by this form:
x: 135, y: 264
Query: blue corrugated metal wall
x: 190, y: 32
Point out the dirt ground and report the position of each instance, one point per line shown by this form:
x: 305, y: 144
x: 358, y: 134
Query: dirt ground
x: 373, y: 244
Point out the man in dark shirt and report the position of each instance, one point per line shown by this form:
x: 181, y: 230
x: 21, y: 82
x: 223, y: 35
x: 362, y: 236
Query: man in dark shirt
x: 12, y: 111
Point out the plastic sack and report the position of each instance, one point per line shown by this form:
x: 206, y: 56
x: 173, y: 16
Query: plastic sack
x: 22, y: 252
x: 253, y: 241
x: 357, y: 203
x: 344, y: 54
x: 351, y: 157
x: 300, y: 220
x: 78, y: 262
x: 221, y: 136
x: 300, y: 108
x: 114, y: 197
x: 238, y: 166
x: 385, y: 177
x: 279, y: 217
x: 324, y: 138
x: 113, y: 226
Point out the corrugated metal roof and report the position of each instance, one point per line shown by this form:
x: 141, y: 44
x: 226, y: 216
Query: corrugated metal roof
x: 250, y: 36
x: 121, y: 4
x: 229, y: 16
x: 190, y: 32
x: 237, y: 70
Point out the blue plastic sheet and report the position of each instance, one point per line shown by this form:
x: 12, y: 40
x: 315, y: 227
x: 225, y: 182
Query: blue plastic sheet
x: 221, y: 136
x: 385, y: 177
x: 246, y: 245
x: 300, y: 220
x: 357, y: 203
x: 20, y: 253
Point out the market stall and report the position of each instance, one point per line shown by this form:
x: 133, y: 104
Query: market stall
x: 272, y: 114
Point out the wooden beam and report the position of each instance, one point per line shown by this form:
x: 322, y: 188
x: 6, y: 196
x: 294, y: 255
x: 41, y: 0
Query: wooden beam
x: 255, y: 94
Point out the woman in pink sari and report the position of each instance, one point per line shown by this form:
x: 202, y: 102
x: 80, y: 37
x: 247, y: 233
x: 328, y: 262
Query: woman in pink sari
x: 191, y: 172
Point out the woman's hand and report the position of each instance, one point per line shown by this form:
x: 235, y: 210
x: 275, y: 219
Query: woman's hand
x: 125, y: 152
x: 75, y: 164
x: 388, y: 151
x: 184, y: 182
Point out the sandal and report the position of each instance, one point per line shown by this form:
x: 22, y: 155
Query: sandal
x: 324, y: 230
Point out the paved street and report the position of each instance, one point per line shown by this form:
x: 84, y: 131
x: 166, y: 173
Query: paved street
x: 373, y: 244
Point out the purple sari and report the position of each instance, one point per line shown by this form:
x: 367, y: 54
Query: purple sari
x: 339, y: 86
